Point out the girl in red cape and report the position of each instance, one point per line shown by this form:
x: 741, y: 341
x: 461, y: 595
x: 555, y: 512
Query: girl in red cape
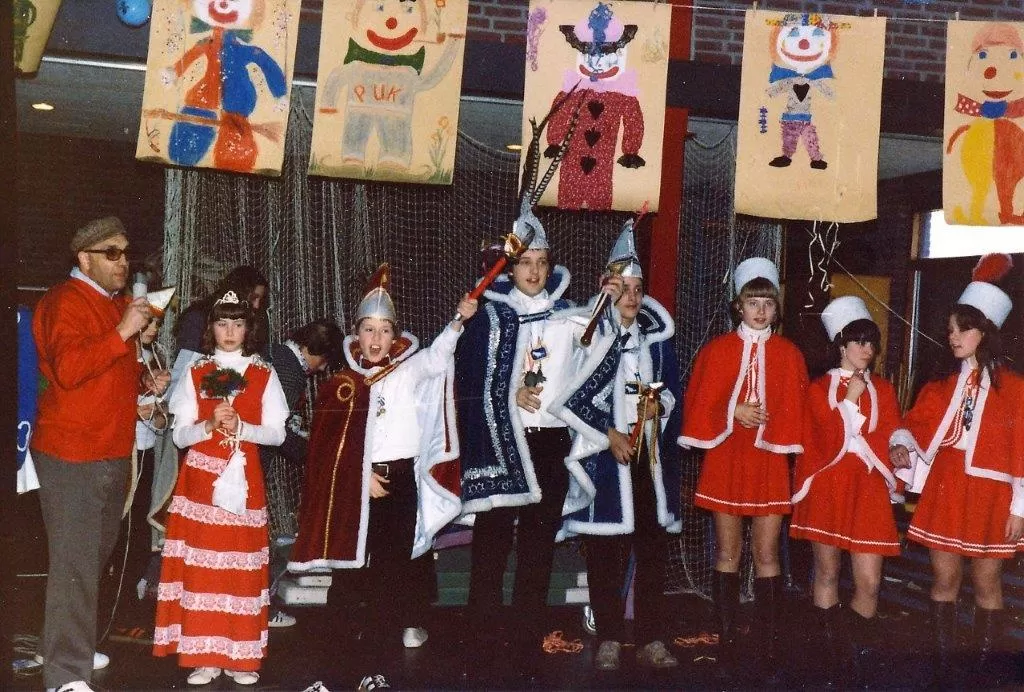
x: 744, y: 406
x: 843, y: 482
x: 965, y: 439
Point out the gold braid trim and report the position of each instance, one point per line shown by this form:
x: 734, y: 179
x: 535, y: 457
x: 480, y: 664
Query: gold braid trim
x: 346, y: 394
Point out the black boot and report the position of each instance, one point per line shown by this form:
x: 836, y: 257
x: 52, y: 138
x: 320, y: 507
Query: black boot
x: 725, y: 593
x: 831, y: 628
x: 944, y: 626
x: 861, y: 651
x: 988, y: 625
x: 768, y: 602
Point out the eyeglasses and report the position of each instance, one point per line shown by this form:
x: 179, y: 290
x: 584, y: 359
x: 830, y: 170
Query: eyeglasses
x: 111, y: 253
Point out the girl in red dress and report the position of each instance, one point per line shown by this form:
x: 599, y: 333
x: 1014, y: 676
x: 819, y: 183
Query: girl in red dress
x: 744, y: 405
x: 844, y: 478
x: 213, y: 594
x: 965, y: 438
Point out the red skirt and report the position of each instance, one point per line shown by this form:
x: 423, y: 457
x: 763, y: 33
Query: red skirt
x: 738, y: 478
x: 962, y: 514
x: 848, y: 508
x: 213, y: 593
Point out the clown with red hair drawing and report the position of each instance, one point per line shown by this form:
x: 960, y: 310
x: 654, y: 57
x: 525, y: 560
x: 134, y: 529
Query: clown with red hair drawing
x: 992, y: 144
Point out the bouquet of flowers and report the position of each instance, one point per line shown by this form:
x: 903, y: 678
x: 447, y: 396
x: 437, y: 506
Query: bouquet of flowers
x: 222, y: 383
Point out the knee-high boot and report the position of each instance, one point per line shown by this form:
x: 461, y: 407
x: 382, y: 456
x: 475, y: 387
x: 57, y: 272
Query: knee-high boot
x: 831, y: 629
x: 945, y: 640
x: 862, y: 649
x: 725, y: 593
x: 988, y: 626
x: 768, y: 602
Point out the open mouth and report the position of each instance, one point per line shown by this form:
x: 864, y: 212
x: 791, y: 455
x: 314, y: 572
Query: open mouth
x: 997, y: 94
x: 396, y: 43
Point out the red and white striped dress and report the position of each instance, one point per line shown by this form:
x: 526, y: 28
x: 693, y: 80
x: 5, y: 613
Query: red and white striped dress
x: 214, y: 591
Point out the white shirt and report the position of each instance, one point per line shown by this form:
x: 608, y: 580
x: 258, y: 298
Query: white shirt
x: 557, y: 340
x: 184, y: 406
x: 392, y: 421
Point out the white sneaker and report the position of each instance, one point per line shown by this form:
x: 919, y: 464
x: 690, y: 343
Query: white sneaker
x: 243, y: 677
x: 76, y: 686
x: 281, y: 619
x: 99, y: 662
x: 203, y: 676
x: 414, y: 637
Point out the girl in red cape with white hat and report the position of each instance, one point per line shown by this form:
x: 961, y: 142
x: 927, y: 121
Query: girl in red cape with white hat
x: 844, y: 479
x: 744, y: 405
x: 965, y: 440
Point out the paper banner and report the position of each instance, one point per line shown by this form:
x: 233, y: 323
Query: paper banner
x: 388, y: 88
x: 810, y: 104
x: 218, y: 84
x: 33, y: 21
x: 983, y: 144
x: 617, y: 52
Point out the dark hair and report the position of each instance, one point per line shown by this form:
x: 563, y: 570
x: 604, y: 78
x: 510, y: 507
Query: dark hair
x: 243, y: 280
x: 990, y: 349
x: 321, y: 338
x: 232, y: 311
x: 758, y: 287
x: 549, y: 256
x: 860, y: 331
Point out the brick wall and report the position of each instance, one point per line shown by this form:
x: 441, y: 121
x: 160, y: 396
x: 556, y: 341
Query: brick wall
x: 915, y: 48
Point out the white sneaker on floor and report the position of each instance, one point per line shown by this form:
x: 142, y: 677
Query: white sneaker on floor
x: 99, y: 662
x: 414, y: 637
x: 243, y: 677
x: 76, y: 686
x: 203, y: 676
x: 373, y: 682
x: 281, y: 619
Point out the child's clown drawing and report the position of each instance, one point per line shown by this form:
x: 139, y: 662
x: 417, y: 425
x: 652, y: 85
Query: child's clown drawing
x: 218, y: 97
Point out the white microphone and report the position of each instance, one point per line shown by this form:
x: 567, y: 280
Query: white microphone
x: 139, y: 287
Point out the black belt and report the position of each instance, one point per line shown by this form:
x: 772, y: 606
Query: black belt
x: 385, y: 469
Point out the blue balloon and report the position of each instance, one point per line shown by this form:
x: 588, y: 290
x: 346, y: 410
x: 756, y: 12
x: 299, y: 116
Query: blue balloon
x: 134, y: 12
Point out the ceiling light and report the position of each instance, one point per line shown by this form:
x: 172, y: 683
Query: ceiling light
x: 42, y: 106
x: 514, y: 147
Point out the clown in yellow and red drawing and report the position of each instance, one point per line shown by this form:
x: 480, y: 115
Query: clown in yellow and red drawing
x: 802, y: 47
x: 992, y: 144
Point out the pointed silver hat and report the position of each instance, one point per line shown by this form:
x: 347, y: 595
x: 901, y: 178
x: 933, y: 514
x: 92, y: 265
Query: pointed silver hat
x: 377, y: 301
x: 623, y: 259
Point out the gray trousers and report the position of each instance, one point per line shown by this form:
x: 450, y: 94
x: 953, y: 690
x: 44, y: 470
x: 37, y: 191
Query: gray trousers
x: 82, y: 505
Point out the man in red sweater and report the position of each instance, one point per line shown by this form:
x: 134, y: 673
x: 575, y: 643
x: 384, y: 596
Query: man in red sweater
x: 85, y: 333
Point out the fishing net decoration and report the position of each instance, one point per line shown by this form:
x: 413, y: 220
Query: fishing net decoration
x: 317, y: 239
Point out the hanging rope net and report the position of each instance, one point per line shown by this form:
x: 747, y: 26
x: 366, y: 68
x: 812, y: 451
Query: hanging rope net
x: 317, y: 239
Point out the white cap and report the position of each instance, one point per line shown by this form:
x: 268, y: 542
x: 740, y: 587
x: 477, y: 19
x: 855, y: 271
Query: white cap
x: 624, y: 254
x: 753, y: 268
x: 993, y: 303
x: 841, y: 312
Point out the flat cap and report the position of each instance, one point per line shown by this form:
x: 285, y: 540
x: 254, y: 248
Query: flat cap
x: 96, y: 231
